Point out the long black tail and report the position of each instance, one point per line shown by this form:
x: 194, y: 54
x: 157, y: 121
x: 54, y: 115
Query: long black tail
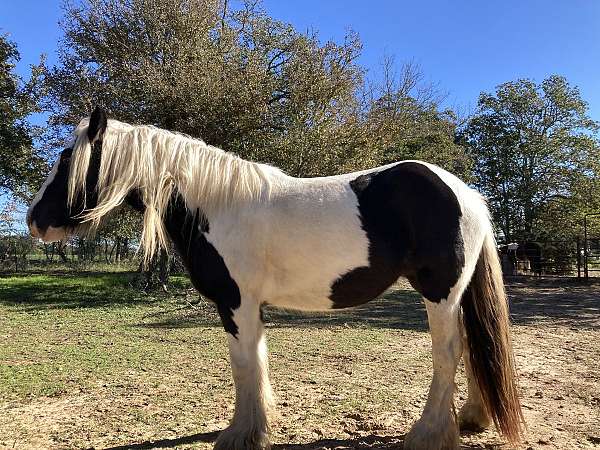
x: 486, y: 321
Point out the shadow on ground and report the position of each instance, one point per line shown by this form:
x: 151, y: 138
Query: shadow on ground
x: 560, y: 301
x: 396, y: 309
x: 68, y: 290
x: 399, y: 309
x: 372, y: 442
x: 169, y: 443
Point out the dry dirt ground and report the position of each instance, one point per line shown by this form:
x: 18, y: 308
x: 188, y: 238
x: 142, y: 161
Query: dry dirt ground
x: 351, y: 381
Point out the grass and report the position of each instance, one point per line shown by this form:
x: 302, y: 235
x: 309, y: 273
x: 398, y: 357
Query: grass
x: 144, y: 359
x: 98, y: 325
x: 87, y: 360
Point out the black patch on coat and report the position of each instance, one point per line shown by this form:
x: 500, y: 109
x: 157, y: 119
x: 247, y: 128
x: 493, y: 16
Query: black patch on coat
x: 412, y: 221
x: 52, y: 209
x: 206, y: 266
x: 97, y: 124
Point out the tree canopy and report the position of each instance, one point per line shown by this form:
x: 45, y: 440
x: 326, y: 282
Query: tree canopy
x: 240, y: 80
x: 234, y: 76
x: 20, y: 165
x: 536, y: 155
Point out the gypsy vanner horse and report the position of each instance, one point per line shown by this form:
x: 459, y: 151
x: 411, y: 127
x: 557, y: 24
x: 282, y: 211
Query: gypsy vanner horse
x: 251, y: 235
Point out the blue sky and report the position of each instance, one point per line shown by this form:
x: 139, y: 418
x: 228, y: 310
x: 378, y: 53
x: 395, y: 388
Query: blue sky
x: 464, y: 46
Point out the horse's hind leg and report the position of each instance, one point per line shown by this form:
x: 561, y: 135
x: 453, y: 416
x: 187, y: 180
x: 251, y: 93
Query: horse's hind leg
x: 248, y: 429
x: 472, y: 415
x: 437, y: 428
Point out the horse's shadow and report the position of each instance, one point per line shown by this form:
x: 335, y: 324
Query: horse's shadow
x: 371, y: 442
x: 169, y: 443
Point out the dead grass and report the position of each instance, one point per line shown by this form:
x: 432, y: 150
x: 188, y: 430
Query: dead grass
x: 87, y: 362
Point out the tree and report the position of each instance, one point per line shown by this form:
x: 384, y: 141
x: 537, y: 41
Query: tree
x: 234, y: 77
x: 405, y: 122
x: 240, y: 80
x: 20, y: 165
x: 14, y: 246
x: 536, y: 151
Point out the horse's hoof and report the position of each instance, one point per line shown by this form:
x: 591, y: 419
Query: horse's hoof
x: 235, y: 438
x: 473, y: 418
x: 427, y: 436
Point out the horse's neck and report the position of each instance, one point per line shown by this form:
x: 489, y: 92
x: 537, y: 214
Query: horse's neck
x: 181, y: 224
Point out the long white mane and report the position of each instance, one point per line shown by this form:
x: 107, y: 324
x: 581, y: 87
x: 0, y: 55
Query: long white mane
x: 159, y: 163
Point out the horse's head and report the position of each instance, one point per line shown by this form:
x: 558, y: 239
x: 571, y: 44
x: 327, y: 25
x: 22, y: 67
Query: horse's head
x: 56, y: 211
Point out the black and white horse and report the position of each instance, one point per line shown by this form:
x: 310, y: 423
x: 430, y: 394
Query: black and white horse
x: 251, y: 235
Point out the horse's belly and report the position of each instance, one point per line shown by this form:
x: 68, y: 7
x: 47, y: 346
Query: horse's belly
x: 292, y: 254
x: 304, y: 265
x: 352, y: 288
x: 303, y: 277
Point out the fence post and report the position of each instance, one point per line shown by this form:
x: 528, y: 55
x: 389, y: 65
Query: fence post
x: 585, y: 249
x: 578, y: 258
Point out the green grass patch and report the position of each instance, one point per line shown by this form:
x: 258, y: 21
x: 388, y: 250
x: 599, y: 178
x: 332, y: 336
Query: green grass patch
x: 110, y: 363
x: 65, y: 331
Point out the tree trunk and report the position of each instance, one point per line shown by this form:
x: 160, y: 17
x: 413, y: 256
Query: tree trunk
x: 60, y: 249
x: 157, y: 273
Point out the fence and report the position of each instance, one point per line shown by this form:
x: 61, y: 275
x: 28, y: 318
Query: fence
x: 579, y: 258
x: 21, y: 252
x: 559, y: 258
x: 591, y: 246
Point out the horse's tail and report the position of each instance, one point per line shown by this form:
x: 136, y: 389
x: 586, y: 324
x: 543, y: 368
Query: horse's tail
x: 486, y: 321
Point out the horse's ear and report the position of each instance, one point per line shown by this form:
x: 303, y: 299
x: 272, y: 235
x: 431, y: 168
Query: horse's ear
x: 97, y: 126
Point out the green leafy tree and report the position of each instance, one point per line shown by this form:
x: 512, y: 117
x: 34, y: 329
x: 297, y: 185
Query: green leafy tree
x: 536, y: 157
x: 20, y: 165
x: 242, y: 81
x: 405, y: 122
x: 236, y: 78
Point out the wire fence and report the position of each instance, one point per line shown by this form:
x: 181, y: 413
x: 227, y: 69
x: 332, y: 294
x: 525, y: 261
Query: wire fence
x: 577, y: 258
x: 20, y: 253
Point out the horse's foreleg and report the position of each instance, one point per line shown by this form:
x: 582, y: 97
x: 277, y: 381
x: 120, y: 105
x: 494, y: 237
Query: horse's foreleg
x: 437, y: 428
x: 248, y: 429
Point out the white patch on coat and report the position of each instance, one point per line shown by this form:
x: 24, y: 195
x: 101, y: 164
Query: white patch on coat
x: 289, y: 251
x: 437, y: 427
x: 250, y: 369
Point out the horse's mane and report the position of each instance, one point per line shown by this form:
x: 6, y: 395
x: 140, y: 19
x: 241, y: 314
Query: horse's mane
x: 158, y: 163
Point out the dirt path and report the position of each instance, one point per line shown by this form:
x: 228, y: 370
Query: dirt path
x: 356, y: 380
